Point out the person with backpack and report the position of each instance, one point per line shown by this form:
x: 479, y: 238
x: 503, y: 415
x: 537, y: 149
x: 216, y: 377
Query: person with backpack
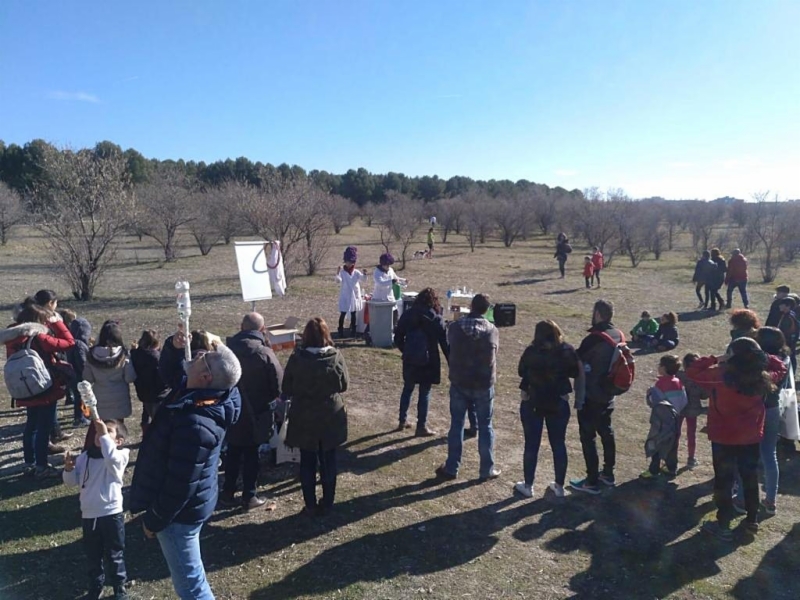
x: 666, y: 399
x: 716, y: 279
x: 109, y: 369
x: 473, y: 373
x: 737, y: 383
x: 704, y: 272
x: 546, y: 367
x: 563, y: 250
x: 609, y: 369
x: 150, y: 388
x: 32, y: 382
x: 419, y: 335
x: 81, y: 330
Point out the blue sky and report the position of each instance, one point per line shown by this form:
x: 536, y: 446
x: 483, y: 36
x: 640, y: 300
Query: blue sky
x: 681, y: 99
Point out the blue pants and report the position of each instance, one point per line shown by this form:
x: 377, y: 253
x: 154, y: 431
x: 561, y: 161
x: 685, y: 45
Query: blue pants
x: 36, y: 435
x: 769, y: 457
x: 460, y: 400
x: 180, y: 545
x: 533, y: 425
x: 422, y: 403
x: 742, y: 285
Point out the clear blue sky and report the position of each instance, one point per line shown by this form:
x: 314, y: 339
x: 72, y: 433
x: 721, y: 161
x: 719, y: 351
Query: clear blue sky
x: 684, y: 98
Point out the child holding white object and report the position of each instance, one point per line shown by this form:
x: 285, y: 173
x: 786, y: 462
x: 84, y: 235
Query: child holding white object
x: 384, y: 276
x: 99, y: 471
x: 351, y: 299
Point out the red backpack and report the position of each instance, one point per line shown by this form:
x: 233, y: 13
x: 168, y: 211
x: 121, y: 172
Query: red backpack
x: 622, y: 370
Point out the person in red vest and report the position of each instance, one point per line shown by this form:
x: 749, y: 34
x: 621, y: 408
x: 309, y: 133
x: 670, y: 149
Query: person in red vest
x: 737, y: 277
x: 598, y: 262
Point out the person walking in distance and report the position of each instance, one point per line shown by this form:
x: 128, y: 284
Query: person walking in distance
x: 563, y: 249
x: 736, y: 277
x: 717, y: 279
x: 594, y: 417
x: 473, y: 372
x: 704, y: 272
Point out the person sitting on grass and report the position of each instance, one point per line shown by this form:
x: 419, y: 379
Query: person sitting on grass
x: 666, y: 399
x: 666, y: 338
x: 99, y: 471
x: 645, y: 329
x: 737, y: 383
x: 695, y: 394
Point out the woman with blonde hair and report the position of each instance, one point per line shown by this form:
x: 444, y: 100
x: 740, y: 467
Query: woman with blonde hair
x: 314, y: 379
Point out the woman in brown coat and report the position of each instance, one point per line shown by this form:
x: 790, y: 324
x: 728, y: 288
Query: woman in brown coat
x: 314, y: 379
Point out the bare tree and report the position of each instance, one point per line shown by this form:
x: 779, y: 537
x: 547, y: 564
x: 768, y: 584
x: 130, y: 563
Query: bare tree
x: 770, y: 225
x: 368, y: 212
x: 451, y: 214
x: 400, y: 218
x: 702, y: 217
x: 545, y: 209
x: 477, y: 217
x: 316, y: 226
x: 85, y: 202
x: 510, y: 215
x: 12, y: 212
x: 225, y: 208
x: 340, y: 211
x: 597, y: 222
x: 165, y: 205
x: 203, y: 225
x: 672, y: 217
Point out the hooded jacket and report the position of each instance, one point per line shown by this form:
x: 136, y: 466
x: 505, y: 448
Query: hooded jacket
x: 47, y: 342
x: 149, y: 385
x: 81, y: 330
x: 734, y: 419
x: 170, y: 364
x: 314, y: 379
x: 473, y: 352
x: 704, y: 271
x: 175, y: 479
x: 111, y: 372
x: 435, y: 332
x: 260, y: 384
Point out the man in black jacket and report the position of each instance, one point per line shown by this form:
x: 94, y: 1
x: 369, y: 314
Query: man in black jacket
x: 175, y: 480
x: 259, y: 387
x: 774, y: 317
x: 594, y: 417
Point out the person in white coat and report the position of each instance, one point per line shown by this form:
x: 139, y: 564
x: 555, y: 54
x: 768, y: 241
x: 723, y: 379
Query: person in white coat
x: 351, y: 299
x: 384, y: 276
x: 110, y: 370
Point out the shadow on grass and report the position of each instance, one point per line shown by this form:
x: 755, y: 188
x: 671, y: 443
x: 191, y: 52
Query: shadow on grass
x: 769, y: 578
x: 696, y: 315
x: 563, y: 292
x: 521, y: 282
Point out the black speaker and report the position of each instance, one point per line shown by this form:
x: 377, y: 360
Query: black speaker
x: 505, y: 314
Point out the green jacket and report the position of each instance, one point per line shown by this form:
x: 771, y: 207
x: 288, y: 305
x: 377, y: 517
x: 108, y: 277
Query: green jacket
x: 645, y: 327
x: 314, y: 379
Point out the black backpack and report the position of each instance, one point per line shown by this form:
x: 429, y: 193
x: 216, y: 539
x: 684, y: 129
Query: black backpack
x: 416, y: 352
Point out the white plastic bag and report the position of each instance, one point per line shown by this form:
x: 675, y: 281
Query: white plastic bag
x: 282, y: 452
x: 787, y: 404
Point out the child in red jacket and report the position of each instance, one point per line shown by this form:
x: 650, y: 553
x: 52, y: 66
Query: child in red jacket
x: 588, y: 270
x: 598, y: 263
x: 737, y: 383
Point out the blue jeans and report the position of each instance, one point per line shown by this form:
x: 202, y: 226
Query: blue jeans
x: 36, y: 435
x: 769, y: 456
x: 532, y: 426
x: 460, y: 400
x: 422, y: 403
x: 180, y: 545
x: 742, y: 285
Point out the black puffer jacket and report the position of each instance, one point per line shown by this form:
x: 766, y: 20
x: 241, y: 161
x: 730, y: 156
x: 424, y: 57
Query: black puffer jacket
x: 81, y: 330
x: 262, y: 376
x: 170, y: 364
x: 432, y: 325
x: 175, y: 479
x: 149, y: 385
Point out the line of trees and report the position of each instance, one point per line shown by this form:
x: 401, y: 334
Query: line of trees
x: 85, y: 200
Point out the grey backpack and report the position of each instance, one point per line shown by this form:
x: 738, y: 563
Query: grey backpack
x: 25, y: 373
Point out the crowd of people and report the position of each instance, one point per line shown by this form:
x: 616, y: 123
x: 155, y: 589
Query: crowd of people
x: 230, y: 396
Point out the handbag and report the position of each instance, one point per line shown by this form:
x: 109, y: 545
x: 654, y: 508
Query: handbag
x: 787, y: 405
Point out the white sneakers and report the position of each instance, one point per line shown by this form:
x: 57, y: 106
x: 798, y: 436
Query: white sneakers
x: 558, y: 490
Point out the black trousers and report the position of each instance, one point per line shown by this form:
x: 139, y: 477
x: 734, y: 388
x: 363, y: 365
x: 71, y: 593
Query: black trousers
x: 728, y: 460
x: 704, y: 297
x: 326, y: 459
x: 244, y: 458
x: 352, y: 321
x: 104, y: 541
x: 716, y: 297
x: 594, y: 420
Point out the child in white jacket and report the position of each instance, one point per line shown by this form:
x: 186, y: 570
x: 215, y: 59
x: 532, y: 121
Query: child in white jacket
x: 99, y: 471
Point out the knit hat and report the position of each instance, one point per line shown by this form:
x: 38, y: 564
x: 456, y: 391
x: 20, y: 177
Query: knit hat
x: 350, y: 254
x: 386, y: 260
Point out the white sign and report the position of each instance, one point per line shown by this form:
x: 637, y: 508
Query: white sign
x: 253, y: 272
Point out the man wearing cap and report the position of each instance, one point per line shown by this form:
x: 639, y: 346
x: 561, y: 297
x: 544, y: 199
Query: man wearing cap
x: 781, y: 292
x: 736, y: 277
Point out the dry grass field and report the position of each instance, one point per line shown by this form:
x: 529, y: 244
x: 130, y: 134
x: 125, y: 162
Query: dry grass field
x: 396, y: 532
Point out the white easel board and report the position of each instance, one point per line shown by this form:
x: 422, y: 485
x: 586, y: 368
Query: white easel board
x: 253, y: 272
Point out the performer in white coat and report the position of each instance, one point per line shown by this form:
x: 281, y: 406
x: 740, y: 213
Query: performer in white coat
x: 350, y: 297
x: 384, y: 276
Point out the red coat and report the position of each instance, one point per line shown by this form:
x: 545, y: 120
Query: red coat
x: 588, y: 269
x: 737, y: 269
x: 597, y: 261
x: 733, y: 418
x: 46, y: 345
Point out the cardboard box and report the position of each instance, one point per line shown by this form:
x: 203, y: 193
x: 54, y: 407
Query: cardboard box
x: 283, y: 336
